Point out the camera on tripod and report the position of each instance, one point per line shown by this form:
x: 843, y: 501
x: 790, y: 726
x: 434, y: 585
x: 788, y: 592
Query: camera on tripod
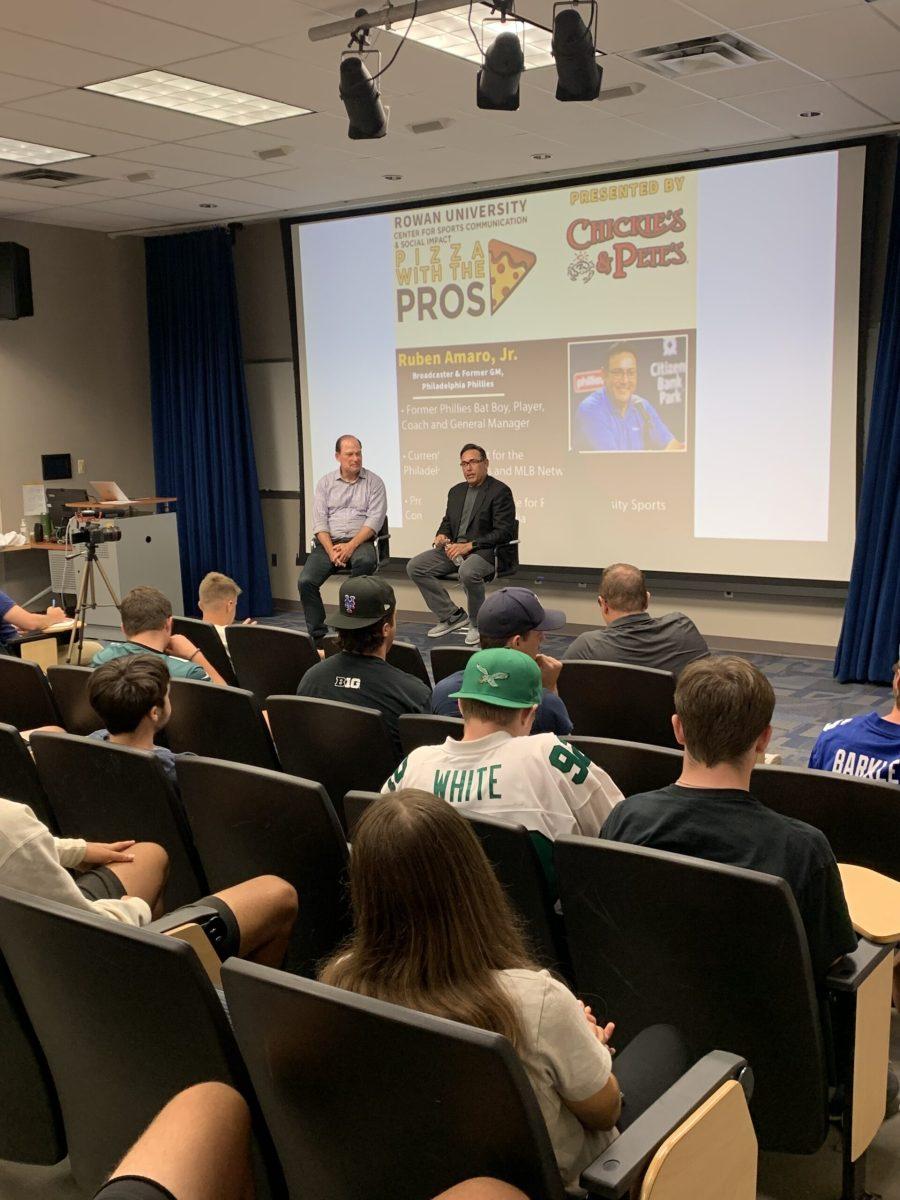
x: 95, y: 534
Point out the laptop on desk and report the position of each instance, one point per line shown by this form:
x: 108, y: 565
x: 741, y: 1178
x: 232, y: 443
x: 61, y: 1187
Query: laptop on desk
x: 107, y: 491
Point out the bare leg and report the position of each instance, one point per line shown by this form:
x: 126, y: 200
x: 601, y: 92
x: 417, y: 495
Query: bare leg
x: 265, y: 909
x: 146, y: 876
x: 198, y: 1147
x: 482, y: 1189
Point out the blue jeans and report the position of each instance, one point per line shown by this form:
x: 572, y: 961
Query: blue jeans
x: 316, y: 570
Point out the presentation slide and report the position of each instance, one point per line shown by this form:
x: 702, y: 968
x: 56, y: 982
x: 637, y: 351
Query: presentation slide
x: 663, y: 368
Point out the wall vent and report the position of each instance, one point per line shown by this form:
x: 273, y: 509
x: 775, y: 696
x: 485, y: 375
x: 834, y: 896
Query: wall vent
x: 684, y: 60
x: 46, y: 177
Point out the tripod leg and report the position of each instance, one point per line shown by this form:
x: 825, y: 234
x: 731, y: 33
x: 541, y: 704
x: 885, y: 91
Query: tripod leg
x: 109, y: 586
x: 78, y: 627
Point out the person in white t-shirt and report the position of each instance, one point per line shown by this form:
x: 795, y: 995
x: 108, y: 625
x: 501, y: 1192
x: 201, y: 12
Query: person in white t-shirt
x: 217, y: 601
x: 434, y: 931
x: 540, y: 782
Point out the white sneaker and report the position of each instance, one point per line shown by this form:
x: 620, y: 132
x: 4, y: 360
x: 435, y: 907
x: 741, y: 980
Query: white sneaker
x: 442, y: 627
x: 472, y: 638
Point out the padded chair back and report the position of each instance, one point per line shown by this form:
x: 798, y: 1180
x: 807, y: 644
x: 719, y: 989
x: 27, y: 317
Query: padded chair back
x: 860, y: 818
x: 424, y: 729
x: 447, y: 660
x: 219, y: 722
x: 355, y: 804
x: 611, y: 700
x: 507, y: 556
x: 105, y: 793
x: 249, y: 822
x: 511, y: 852
x: 343, y: 747
x: 25, y: 697
x: 341, y: 1077
x: 720, y: 951
x: 633, y: 767
x: 19, y: 778
x: 31, y: 1129
x: 407, y: 657
x: 126, y: 1017
x: 70, y: 691
x: 206, y: 638
x: 269, y: 661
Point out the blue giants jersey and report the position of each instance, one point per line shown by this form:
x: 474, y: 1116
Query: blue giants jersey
x: 867, y: 747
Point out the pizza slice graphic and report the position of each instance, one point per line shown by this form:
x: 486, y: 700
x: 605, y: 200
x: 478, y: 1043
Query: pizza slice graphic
x: 509, y: 265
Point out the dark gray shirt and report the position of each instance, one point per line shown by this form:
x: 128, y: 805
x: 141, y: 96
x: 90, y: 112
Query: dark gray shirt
x: 468, y: 505
x: 667, y: 643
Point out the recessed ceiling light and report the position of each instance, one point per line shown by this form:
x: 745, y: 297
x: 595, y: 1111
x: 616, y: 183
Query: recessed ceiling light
x: 206, y: 205
x: 30, y: 152
x: 393, y: 177
x: 541, y: 157
x: 811, y: 113
x: 449, y: 31
x: 200, y: 99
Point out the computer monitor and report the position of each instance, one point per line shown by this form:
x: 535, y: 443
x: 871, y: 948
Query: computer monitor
x: 57, y: 498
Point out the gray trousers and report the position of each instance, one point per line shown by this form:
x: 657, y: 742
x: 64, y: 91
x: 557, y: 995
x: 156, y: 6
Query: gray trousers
x: 428, y: 568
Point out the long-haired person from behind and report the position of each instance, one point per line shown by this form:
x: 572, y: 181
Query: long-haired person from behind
x: 433, y: 931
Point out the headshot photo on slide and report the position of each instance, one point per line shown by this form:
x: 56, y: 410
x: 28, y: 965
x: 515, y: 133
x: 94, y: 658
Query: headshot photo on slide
x: 629, y: 394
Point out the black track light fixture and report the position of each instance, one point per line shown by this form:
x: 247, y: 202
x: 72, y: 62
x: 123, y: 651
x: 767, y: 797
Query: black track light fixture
x: 362, y: 99
x: 577, y: 70
x: 498, y: 79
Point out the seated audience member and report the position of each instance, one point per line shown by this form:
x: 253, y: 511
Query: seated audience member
x: 366, y: 621
x: 630, y: 635
x: 16, y: 620
x: 147, y: 625
x: 723, y: 710
x: 198, y: 1148
x: 867, y: 746
x: 539, y: 782
x: 217, y: 602
x: 434, y: 931
x: 515, y: 618
x: 131, y: 696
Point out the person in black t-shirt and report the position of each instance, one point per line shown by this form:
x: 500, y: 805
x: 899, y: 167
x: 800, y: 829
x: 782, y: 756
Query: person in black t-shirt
x: 723, y: 710
x: 358, y: 673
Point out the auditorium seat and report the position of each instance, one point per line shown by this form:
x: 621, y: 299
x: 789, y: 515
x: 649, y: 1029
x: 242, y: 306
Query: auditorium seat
x: 447, y: 660
x: 632, y: 766
x: 860, y: 817
x: 721, y: 951
x: 127, y: 1018
x: 612, y: 700
x: 25, y: 697
x: 19, y: 778
x: 425, y: 729
x: 351, y: 1083
x: 407, y: 657
x: 269, y: 661
x: 342, y: 746
x: 106, y: 793
x: 206, y: 638
x: 219, y: 722
x: 355, y: 804
x: 69, y: 685
x: 248, y: 822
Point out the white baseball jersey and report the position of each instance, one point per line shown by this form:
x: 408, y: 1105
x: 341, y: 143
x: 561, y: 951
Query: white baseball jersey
x: 540, y: 782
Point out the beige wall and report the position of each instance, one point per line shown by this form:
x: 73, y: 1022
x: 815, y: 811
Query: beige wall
x: 265, y: 324
x: 75, y: 377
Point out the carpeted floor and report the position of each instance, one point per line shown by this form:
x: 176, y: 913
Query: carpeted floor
x: 807, y: 694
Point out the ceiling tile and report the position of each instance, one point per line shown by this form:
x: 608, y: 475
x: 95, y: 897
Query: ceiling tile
x: 783, y: 109
x: 9, y: 207
x: 245, y: 142
x: 770, y: 76
x: 193, y: 202
x: 233, y: 19
x: 28, y: 194
x: 890, y: 9
x: 272, y: 198
x: 125, y: 116
x: 881, y: 92
x: 707, y: 126
x: 187, y: 158
x: 637, y: 24
x: 266, y: 75
x: 737, y: 13
x: 58, y: 64
x: 48, y: 131
x: 105, y: 30
x: 657, y: 93
x: 82, y: 218
x: 14, y: 87
x: 851, y: 41
x: 163, y: 179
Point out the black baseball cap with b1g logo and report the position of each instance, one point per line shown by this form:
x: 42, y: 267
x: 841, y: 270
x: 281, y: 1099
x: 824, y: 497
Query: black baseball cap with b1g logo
x: 362, y: 601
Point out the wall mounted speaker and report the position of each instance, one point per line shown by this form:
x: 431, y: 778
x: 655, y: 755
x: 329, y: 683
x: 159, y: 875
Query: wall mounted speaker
x: 15, y: 282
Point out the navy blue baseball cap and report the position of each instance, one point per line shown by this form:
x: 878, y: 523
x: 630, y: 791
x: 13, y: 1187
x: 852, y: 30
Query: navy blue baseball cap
x: 513, y: 610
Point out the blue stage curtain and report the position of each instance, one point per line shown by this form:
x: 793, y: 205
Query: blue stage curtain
x: 202, y: 439
x: 871, y: 630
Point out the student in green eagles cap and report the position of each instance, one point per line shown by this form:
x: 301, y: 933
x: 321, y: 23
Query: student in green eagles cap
x: 496, y: 770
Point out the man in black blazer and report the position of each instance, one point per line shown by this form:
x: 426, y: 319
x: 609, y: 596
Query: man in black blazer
x: 480, y: 516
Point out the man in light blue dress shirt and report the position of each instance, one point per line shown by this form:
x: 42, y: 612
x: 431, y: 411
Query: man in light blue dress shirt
x: 348, y: 512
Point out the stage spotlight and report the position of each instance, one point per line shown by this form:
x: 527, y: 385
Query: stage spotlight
x: 578, y: 72
x: 362, y: 100
x: 498, y: 79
